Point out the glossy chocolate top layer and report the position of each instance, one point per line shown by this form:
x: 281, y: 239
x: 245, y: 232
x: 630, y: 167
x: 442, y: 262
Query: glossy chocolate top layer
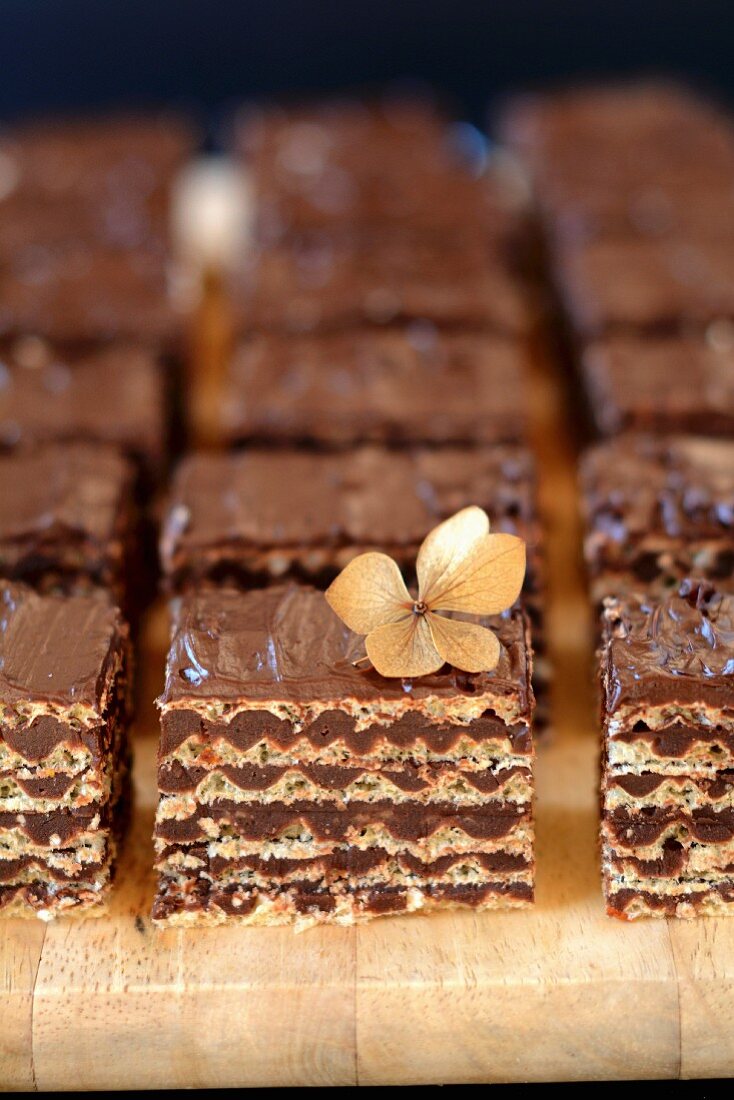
x: 269, y: 499
x: 674, y: 650
x: 63, y: 489
x: 414, y: 385
x: 57, y: 650
x: 674, y: 384
x: 286, y: 644
x: 322, y: 284
x: 110, y: 394
x: 637, y: 486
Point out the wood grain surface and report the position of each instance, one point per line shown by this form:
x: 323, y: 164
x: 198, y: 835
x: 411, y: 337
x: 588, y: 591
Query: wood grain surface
x: 558, y: 993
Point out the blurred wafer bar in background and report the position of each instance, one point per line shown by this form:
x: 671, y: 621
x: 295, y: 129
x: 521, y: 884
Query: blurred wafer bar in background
x: 69, y: 519
x: 620, y: 162
x: 114, y: 393
x: 91, y: 304
x: 662, y: 384
x: 634, y: 186
x: 403, y: 386
x: 372, y: 213
x: 85, y: 252
x: 362, y: 168
x: 324, y: 284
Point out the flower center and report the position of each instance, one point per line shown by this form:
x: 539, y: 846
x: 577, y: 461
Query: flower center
x: 419, y: 607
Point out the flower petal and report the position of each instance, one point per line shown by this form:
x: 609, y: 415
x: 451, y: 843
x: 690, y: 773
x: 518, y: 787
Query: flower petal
x: 404, y: 648
x: 369, y: 592
x: 446, y: 547
x: 487, y: 581
x: 467, y: 646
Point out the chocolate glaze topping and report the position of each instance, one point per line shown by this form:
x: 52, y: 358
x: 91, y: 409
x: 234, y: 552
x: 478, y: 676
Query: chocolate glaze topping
x: 285, y: 643
x: 679, y: 649
x: 58, y: 650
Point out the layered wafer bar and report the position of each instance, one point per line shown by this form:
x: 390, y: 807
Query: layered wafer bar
x: 347, y: 166
x: 113, y: 394
x: 674, y: 384
x: 667, y: 683
x: 620, y: 162
x: 114, y: 161
x: 674, y: 286
x: 84, y: 229
x: 68, y: 518
x: 255, y: 516
x: 657, y: 510
x: 414, y: 385
x: 326, y: 284
x: 64, y: 760
x: 297, y: 786
x: 82, y: 292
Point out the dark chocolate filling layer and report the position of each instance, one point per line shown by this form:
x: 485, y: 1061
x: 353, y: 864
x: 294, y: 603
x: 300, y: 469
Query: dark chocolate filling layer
x: 248, y: 728
x: 10, y: 868
x: 352, y: 861
x: 676, y: 741
x: 635, y: 830
x: 404, y: 821
x: 618, y: 901
x: 174, y: 778
x: 66, y: 823
x: 641, y: 785
x: 203, y: 896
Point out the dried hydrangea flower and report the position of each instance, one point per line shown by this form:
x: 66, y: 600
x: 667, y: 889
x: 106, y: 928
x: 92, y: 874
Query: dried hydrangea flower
x: 460, y: 568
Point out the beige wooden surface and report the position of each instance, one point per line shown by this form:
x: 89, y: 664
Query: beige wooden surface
x: 559, y: 993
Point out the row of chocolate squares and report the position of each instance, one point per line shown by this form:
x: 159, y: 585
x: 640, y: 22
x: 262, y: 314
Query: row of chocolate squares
x: 634, y: 187
x: 85, y: 212
x: 634, y: 191
x: 399, y: 387
x: 362, y: 213
x: 656, y: 509
x: 298, y: 785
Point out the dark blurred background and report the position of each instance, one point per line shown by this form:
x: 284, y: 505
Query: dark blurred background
x: 209, y: 53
